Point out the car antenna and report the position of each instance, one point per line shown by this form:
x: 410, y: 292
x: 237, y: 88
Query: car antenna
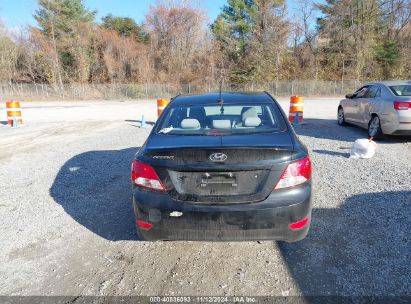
x: 220, y: 99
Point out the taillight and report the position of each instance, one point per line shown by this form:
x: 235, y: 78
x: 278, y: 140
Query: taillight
x: 145, y: 176
x: 402, y: 105
x: 295, y: 174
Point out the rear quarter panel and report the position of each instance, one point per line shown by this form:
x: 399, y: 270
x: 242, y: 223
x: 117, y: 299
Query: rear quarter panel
x: 390, y: 117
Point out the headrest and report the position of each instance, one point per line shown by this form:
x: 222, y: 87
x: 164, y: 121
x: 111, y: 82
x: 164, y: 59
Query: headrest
x: 222, y: 124
x: 190, y: 123
x: 252, y: 122
x: 248, y: 112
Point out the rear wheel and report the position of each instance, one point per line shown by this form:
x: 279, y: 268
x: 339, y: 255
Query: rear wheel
x: 341, y: 117
x: 374, y: 128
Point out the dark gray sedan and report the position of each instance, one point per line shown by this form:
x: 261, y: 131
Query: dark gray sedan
x: 384, y: 108
x: 222, y: 167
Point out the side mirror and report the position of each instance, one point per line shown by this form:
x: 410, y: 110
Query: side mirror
x: 349, y: 96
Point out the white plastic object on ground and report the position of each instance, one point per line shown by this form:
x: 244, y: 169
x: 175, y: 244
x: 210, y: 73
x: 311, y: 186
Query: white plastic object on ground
x: 363, y: 148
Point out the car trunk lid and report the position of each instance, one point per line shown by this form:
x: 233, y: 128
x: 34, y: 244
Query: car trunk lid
x: 251, y: 169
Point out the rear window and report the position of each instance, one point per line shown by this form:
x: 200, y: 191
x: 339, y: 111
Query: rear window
x: 222, y: 119
x: 401, y: 90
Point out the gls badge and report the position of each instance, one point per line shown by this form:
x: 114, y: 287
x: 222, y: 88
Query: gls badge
x: 218, y: 157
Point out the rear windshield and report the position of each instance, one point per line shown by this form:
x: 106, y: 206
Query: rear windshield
x: 401, y: 90
x: 221, y: 119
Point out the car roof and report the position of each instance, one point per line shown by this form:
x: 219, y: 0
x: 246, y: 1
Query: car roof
x: 228, y: 98
x: 392, y: 82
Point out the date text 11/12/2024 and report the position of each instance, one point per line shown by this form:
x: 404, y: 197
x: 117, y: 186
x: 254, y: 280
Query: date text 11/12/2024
x: 202, y: 299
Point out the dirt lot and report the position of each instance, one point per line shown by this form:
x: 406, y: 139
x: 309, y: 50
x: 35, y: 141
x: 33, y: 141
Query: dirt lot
x: 67, y: 226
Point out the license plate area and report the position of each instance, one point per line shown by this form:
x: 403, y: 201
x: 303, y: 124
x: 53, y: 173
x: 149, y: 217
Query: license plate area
x: 217, y: 186
x: 225, y: 178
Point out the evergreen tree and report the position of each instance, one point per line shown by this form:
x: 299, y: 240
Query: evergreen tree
x: 233, y: 30
x: 67, y: 26
x: 251, y: 35
x: 125, y: 26
x: 388, y: 55
x: 62, y: 16
x: 350, y: 27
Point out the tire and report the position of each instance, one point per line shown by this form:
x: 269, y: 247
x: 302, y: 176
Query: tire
x: 374, y: 128
x: 340, y: 117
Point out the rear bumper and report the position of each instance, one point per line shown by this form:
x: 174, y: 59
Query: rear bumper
x: 265, y: 220
x: 402, y: 133
x: 399, y: 123
x: 402, y: 128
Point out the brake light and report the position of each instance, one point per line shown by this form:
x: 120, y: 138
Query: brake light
x: 295, y: 174
x: 215, y: 133
x: 402, y: 105
x: 299, y: 224
x: 145, y: 176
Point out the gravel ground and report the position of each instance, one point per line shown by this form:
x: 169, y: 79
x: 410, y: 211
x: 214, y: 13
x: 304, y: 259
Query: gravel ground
x: 67, y: 227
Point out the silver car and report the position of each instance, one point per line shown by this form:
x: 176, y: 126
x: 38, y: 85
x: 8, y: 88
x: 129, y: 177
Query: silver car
x: 384, y: 108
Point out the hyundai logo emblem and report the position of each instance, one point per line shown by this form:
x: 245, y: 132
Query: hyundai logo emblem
x: 218, y: 157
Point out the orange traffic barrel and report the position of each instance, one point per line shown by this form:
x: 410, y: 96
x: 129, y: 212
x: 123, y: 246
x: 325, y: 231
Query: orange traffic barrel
x: 296, y: 109
x: 13, y: 112
x: 161, y: 105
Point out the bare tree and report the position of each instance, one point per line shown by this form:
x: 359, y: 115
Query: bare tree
x: 179, y: 39
x: 271, y: 34
x: 306, y: 47
x: 122, y: 59
x: 8, y: 56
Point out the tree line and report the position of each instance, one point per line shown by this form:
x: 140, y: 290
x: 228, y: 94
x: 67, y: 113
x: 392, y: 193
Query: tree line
x: 250, y: 41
